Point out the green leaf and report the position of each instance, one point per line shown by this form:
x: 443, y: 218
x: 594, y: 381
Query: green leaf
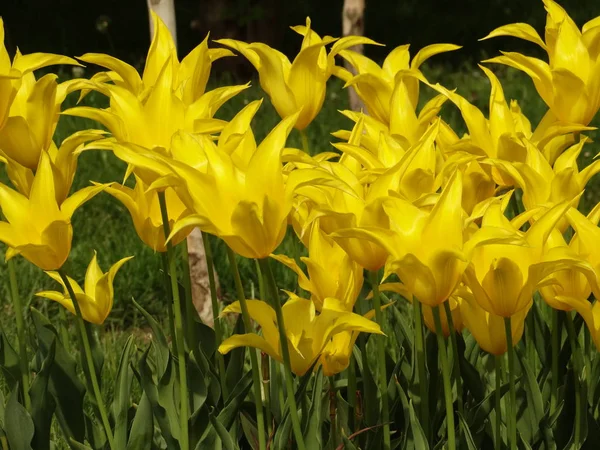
x: 249, y: 429
x: 236, y: 358
x: 122, y: 395
x: 95, y: 434
x: 369, y: 387
x: 159, y: 342
x: 17, y: 424
x: 416, y: 436
x: 162, y: 400
x: 226, y: 439
x: 42, y: 402
x: 65, y: 386
x: 533, y: 403
x: 315, y: 420
x: 232, y: 408
x: 467, y: 437
x: 142, y: 428
x: 9, y: 362
x: 470, y: 375
x: 197, y: 384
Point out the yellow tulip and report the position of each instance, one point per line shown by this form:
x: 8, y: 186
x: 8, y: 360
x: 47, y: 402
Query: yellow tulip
x: 568, y: 83
x: 299, y: 85
x: 544, y: 185
x: 391, y: 92
x: 331, y: 272
x: 308, y: 333
x: 146, y: 215
x: 63, y: 161
x: 591, y: 314
x: 96, y: 299
x: 429, y: 272
x: 487, y: 328
x: 12, y: 73
x: 569, y: 288
x: 39, y: 227
x: 503, y: 276
x: 147, y: 112
x: 246, y: 206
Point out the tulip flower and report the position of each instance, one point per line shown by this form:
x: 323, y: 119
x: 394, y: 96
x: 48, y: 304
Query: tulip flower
x: 432, y: 271
x: 487, y: 328
x: 503, y: 276
x: 308, y: 333
x: 568, y: 82
x: 12, y: 73
x: 299, y: 85
x: 570, y: 288
x: 544, y: 185
x: 39, y: 227
x: 146, y: 215
x: 331, y: 272
x: 246, y: 206
x: 391, y: 92
x: 96, y: 299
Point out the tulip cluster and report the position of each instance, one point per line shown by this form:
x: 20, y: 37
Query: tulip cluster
x: 474, y: 230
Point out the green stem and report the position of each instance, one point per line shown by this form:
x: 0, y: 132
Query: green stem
x: 511, y: 419
x: 260, y: 420
x: 165, y: 266
x: 380, y: 342
x: 85, y: 343
x: 352, y: 393
x: 333, y: 412
x: 556, y: 332
x: 421, y: 368
x: 190, y: 309
x: 215, y: 310
x: 446, y: 378
x: 456, y: 365
x: 266, y: 379
x: 21, y: 332
x: 183, y: 390
x: 285, y: 352
x: 305, y: 145
x: 498, y: 398
x: 575, y: 354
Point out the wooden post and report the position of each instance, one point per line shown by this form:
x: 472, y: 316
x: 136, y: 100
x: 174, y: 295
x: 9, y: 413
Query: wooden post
x: 353, y: 23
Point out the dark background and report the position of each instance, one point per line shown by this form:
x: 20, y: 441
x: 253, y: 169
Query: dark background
x: 120, y: 27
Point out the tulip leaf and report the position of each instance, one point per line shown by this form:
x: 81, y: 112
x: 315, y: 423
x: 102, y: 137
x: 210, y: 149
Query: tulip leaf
x: 416, y: 435
x: 122, y: 395
x: 65, y: 386
x: 42, y: 403
x: 95, y: 433
x: 142, y: 428
x: 9, y: 361
x: 235, y: 362
x: 315, y: 419
x: 369, y: 387
x: 159, y: 342
x: 467, y: 437
x: 78, y: 445
x: 224, y: 435
x: 206, y: 339
x: 197, y: 384
x: 239, y: 393
x: 18, y: 424
x: 161, y: 398
x: 471, y: 378
x: 534, y: 406
x: 249, y: 429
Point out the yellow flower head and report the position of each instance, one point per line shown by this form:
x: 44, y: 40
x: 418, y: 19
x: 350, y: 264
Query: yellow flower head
x: 308, y: 331
x: 504, y: 275
x: 145, y: 212
x: 331, y: 272
x: 391, y: 92
x: 96, y: 299
x: 487, y: 328
x: 299, y: 85
x: 568, y: 82
x: 39, y: 227
x: 13, y: 74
